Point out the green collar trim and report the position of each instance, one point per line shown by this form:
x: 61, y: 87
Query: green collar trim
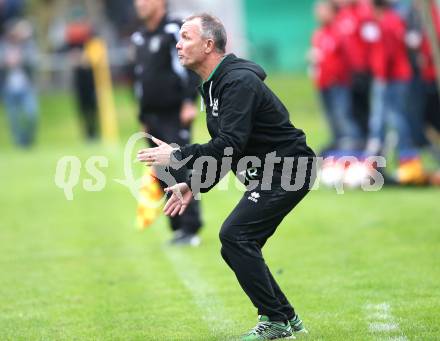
x: 215, y: 69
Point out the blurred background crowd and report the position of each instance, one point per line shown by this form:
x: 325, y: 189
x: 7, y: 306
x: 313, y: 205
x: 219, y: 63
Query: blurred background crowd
x: 374, y: 64
x: 374, y: 67
x: 45, y: 45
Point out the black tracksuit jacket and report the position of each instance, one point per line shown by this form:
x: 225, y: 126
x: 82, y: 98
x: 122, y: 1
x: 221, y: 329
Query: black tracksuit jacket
x: 161, y: 83
x: 243, y: 113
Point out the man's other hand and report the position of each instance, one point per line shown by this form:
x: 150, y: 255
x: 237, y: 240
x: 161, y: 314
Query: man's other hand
x: 180, y: 198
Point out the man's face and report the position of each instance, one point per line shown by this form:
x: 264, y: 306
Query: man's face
x: 192, y: 47
x: 324, y: 13
x: 146, y: 9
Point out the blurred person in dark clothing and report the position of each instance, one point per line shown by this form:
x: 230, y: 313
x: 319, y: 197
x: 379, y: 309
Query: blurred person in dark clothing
x: 332, y: 78
x: 413, y: 39
x: 10, y: 9
x: 122, y: 15
x: 79, y: 31
x: 431, y: 107
x: 166, y: 93
x: 351, y: 24
x: 18, y: 55
x: 247, y: 121
x: 391, y: 78
x: 423, y: 105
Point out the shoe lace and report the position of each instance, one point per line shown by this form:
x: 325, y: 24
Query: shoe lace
x: 261, y: 327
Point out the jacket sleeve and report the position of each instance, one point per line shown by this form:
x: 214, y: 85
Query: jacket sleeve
x: 237, y: 103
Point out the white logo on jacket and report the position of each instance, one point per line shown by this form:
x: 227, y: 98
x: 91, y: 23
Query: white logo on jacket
x: 215, y: 108
x: 137, y: 39
x: 155, y: 44
x: 254, y: 197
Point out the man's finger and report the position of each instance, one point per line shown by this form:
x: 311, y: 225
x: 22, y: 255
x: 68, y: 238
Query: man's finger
x: 167, y: 207
x: 147, y: 150
x: 170, y: 201
x: 182, y: 209
x: 143, y: 157
x: 176, y: 210
x: 172, y: 189
x: 157, y: 141
x: 172, y: 208
x: 147, y: 156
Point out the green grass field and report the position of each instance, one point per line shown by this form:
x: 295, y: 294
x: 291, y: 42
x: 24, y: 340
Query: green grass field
x: 358, y: 266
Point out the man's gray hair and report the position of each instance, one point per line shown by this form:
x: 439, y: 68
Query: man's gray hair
x: 212, y: 28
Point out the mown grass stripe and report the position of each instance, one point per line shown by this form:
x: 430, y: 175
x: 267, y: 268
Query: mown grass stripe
x: 205, y: 297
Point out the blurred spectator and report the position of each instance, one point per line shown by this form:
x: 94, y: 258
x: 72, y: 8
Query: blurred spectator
x: 332, y: 79
x: 123, y: 15
x: 351, y: 24
x: 167, y: 94
x: 413, y: 39
x: 10, y: 9
x: 402, y: 8
x: 391, y: 76
x: 78, y: 32
x: 431, y: 108
x: 18, y: 60
x: 423, y: 104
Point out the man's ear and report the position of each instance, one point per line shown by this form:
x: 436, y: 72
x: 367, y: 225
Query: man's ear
x: 210, y: 46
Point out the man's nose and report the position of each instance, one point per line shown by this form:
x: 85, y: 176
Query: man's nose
x: 178, y: 45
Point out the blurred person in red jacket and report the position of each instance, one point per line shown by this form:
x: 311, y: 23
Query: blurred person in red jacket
x: 332, y: 78
x: 392, y: 73
x: 350, y: 21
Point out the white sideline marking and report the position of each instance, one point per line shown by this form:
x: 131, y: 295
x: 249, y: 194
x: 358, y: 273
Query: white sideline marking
x: 383, y: 326
x: 382, y: 322
x: 205, y: 297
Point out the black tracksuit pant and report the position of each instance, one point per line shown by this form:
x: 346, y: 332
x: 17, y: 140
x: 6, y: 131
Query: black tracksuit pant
x: 168, y: 128
x: 243, y: 235
x: 85, y: 92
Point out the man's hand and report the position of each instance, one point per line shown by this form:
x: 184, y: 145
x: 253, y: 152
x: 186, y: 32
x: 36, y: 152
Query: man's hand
x: 157, y: 156
x: 179, y: 200
x: 188, y: 113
